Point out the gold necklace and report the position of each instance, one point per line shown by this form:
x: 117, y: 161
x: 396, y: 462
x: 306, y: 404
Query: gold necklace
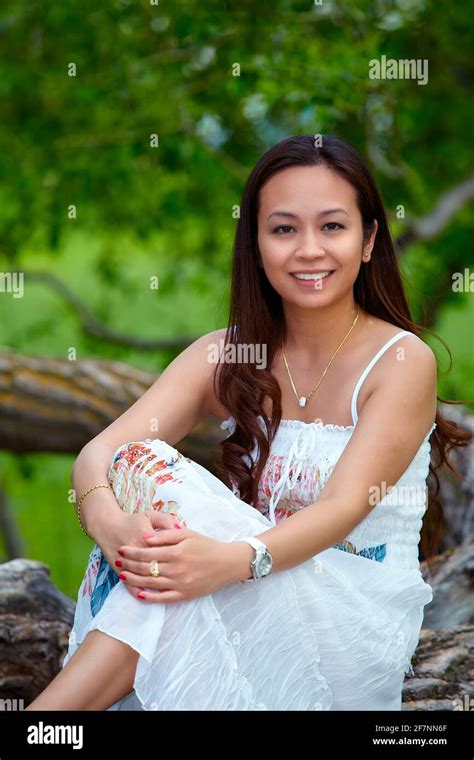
x: 303, y: 400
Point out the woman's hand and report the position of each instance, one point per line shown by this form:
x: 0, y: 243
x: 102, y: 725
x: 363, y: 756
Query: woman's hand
x: 129, y: 529
x: 191, y: 565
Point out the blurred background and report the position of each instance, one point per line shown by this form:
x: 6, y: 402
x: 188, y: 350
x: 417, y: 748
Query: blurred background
x: 127, y: 132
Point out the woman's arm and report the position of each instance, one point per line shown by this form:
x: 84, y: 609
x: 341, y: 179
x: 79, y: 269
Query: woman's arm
x: 391, y: 427
x: 170, y: 409
x: 100, y: 509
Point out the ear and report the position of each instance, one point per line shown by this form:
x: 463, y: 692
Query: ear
x: 369, y: 244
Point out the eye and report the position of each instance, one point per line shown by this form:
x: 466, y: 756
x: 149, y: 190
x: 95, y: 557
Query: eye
x: 282, y: 227
x: 333, y: 225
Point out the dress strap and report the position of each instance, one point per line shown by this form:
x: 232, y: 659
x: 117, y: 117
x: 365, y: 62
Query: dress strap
x: 369, y: 367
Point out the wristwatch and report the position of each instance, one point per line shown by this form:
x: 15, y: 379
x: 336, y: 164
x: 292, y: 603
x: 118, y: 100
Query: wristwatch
x: 261, y: 565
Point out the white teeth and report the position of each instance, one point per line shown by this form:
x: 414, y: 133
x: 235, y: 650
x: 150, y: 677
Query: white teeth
x: 318, y: 276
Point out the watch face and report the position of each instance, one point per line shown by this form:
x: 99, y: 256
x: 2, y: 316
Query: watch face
x: 264, y: 565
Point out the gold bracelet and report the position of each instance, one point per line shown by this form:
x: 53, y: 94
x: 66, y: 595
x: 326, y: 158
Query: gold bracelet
x: 78, y: 505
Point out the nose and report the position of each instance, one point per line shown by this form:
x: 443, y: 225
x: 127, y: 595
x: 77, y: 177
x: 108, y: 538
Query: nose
x: 311, y: 246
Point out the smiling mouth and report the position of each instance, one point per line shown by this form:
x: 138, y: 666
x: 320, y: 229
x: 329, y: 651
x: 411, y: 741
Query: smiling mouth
x: 312, y: 278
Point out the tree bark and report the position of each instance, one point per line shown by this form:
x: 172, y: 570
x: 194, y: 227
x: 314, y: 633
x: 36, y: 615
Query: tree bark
x: 52, y: 404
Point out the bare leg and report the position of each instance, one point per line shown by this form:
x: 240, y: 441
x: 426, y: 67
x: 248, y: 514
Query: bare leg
x: 100, y: 672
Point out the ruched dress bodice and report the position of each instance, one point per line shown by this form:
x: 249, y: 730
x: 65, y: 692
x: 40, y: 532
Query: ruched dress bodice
x: 301, y: 460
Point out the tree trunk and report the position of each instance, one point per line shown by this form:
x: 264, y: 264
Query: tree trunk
x: 52, y: 404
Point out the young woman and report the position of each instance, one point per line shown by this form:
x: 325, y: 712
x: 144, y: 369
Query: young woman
x: 332, y: 429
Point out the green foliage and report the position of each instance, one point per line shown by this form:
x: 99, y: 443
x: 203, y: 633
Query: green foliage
x: 141, y: 70
x: 37, y: 487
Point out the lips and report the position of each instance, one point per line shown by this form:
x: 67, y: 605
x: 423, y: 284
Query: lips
x: 312, y: 281
x: 321, y: 273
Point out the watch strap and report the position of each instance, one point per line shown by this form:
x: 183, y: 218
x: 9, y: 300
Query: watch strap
x: 258, y: 546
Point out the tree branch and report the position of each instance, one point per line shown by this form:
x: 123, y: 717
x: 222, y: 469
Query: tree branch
x: 433, y: 223
x: 52, y: 404
x: 92, y: 326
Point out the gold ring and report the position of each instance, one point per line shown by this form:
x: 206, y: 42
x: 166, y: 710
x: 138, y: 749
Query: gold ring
x: 154, y: 569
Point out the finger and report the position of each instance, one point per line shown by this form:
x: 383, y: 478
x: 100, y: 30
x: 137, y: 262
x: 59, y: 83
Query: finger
x: 146, y: 554
x: 139, y: 568
x: 161, y: 519
x: 172, y: 536
x: 156, y: 597
x: 133, y: 590
x: 149, y: 582
x: 165, y: 538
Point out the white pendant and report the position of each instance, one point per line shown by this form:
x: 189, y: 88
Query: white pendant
x: 302, y: 401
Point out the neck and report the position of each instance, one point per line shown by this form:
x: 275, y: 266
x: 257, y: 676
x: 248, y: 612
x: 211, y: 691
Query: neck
x: 311, y: 332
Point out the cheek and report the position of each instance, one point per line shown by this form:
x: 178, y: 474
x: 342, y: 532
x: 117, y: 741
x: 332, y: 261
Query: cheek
x: 352, y: 264
x: 347, y: 250
x: 274, y: 257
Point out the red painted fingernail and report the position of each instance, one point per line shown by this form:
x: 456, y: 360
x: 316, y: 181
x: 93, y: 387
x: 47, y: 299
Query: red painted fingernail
x: 122, y: 576
x: 120, y: 552
x: 177, y: 525
x: 141, y: 595
x: 118, y: 562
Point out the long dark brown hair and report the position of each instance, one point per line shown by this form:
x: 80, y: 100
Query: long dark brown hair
x: 256, y: 317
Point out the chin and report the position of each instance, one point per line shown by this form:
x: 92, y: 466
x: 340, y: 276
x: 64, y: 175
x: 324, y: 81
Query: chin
x: 309, y: 302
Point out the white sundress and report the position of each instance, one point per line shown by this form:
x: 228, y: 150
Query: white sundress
x: 336, y: 632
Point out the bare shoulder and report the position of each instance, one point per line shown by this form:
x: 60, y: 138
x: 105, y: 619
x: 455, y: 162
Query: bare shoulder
x: 206, y: 343
x: 409, y: 347
x: 393, y: 422
x: 407, y: 363
x: 415, y: 362
x: 406, y: 346
x: 406, y: 369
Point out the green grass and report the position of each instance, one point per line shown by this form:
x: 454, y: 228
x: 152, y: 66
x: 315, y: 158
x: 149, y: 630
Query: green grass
x: 456, y: 327
x: 37, y: 488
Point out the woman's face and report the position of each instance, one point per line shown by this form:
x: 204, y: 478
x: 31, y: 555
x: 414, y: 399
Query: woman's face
x: 309, y: 222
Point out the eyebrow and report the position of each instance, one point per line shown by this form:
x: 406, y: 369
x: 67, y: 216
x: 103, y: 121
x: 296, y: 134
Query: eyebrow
x: 321, y: 213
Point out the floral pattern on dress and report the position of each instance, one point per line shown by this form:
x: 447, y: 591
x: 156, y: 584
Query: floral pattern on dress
x: 301, y: 495
x: 166, y: 506
x: 100, y: 577
x: 309, y: 484
x: 138, y: 459
x: 372, y: 552
x: 131, y: 453
x: 91, y: 571
x: 98, y: 581
x: 105, y: 581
